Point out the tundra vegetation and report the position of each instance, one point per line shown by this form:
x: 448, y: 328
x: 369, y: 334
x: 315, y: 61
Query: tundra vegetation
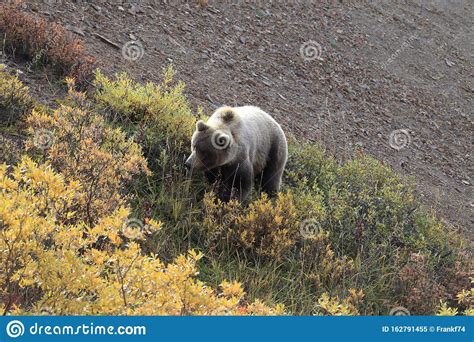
x: 98, y: 215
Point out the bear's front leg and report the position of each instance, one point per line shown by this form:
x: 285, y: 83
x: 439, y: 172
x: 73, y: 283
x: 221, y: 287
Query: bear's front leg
x: 238, y: 181
x: 214, y: 179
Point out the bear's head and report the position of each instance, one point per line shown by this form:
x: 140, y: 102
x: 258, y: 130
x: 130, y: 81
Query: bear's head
x: 211, y: 147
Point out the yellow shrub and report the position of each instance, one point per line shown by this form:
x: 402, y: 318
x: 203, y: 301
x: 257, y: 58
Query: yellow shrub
x: 10, y: 149
x: 81, y: 145
x: 322, y: 266
x: 279, y: 229
x: 269, y: 228
x: 14, y: 98
x: 52, y: 264
x: 465, y: 298
x: 334, y: 306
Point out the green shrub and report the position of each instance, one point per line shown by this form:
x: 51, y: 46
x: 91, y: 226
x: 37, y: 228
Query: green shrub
x: 158, y: 118
x: 158, y: 113
x: 355, y: 225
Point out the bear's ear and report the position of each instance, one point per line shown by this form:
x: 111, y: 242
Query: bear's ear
x: 201, y: 126
x: 228, y: 115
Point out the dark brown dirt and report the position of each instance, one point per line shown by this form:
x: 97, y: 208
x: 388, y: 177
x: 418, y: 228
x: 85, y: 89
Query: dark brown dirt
x: 383, y: 66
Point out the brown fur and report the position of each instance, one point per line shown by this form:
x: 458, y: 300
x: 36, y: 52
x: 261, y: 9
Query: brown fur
x: 238, y: 145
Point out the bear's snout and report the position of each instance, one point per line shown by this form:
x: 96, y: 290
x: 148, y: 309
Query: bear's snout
x: 193, y: 163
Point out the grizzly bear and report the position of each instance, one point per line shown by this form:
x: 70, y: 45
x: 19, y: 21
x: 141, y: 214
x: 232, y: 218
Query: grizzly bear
x: 236, y: 146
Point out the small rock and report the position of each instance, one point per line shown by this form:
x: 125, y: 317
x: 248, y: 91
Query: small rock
x: 449, y: 63
x: 208, y: 97
x: 135, y: 10
x: 230, y: 62
x: 97, y: 8
x: 76, y: 30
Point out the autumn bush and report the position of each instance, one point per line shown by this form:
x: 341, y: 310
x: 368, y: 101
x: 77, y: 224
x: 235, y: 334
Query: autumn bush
x: 15, y: 101
x: 44, y: 43
x: 266, y: 228
x: 51, y: 265
x: 81, y: 145
x: 334, y: 306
